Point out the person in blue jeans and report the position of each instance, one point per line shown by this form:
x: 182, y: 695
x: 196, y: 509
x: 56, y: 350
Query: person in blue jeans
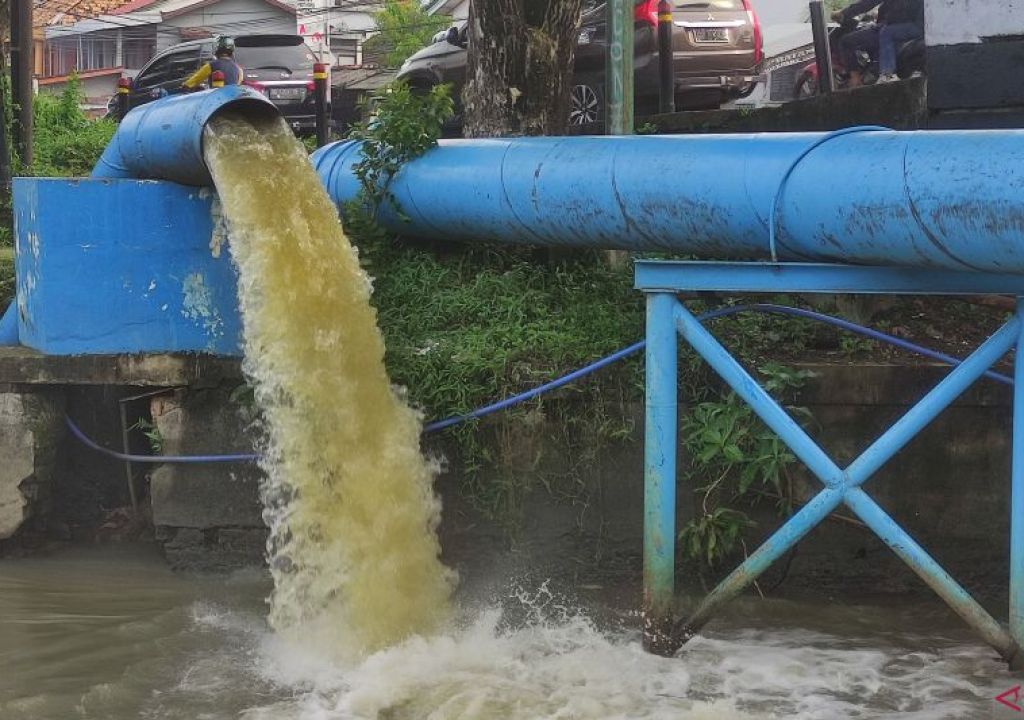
x: 899, y: 21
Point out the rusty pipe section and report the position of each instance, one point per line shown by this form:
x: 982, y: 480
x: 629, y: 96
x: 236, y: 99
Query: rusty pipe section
x: 163, y: 139
x: 951, y: 199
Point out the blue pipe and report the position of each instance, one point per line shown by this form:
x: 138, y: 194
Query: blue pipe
x: 911, y: 199
x: 163, y: 139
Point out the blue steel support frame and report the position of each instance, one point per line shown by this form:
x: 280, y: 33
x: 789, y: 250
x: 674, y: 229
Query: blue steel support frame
x: 661, y: 280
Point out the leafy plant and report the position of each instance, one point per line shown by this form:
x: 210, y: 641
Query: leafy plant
x: 152, y: 434
x: 403, y: 27
x: 714, y: 535
x: 404, y: 125
x: 742, y: 458
x: 66, y: 142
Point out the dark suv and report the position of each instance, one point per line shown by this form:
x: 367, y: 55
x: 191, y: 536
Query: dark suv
x: 717, y: 54
x: 279, y: 66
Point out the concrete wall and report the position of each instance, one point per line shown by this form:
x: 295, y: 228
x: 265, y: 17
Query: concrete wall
x: 31, y: 429
x: 579, y: 513
x: 975, y: 52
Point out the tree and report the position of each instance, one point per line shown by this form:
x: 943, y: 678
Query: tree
x: 402, y: 29
x: 521, y: 56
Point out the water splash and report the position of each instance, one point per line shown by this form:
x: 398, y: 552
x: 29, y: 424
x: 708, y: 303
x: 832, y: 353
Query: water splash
x: 349, y: 499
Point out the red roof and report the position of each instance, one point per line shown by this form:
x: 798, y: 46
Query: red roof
x: 132, y: 6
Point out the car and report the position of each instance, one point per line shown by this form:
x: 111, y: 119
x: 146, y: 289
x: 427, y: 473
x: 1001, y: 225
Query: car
x: 279, y: 66
x: 717, y: 53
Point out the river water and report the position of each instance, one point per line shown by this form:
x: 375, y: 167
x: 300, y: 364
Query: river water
x: 111, y: 633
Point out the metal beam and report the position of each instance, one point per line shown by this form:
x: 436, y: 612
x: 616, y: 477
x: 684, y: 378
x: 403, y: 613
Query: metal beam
x: 749, y: 277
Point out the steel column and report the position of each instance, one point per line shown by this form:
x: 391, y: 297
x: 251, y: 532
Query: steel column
x: 660, y: 474
x: 1017, y: 495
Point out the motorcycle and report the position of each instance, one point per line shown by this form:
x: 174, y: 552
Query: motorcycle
x: 909, y: 61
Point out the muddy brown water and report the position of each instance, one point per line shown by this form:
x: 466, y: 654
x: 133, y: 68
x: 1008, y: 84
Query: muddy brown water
x: 111, y: 633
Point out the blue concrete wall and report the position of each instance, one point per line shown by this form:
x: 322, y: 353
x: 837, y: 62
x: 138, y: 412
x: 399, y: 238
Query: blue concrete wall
x: 121, y: 266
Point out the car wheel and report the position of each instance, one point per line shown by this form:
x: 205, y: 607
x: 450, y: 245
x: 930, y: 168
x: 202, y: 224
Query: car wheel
x: 585, y: 105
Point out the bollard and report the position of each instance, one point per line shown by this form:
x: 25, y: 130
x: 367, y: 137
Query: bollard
x: 124, y: 87
x: 822, y: 48
x: 320, y: 95
x: 667, y: 91
x: 217, y: 79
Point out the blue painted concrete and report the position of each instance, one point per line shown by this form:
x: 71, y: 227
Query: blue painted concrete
x: 121, y: 266
x: 9, y: 326
x: 163, y: 139
x: 951, y: 200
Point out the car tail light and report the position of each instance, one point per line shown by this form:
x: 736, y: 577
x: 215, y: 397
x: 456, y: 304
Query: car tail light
x: 755, y: 23
x: 311, y: 86
x: 647, y: 12
x: 257, y: 86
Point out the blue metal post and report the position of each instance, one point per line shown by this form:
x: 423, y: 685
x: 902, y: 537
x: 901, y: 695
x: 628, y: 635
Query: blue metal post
x: 1017, y: 497
x: 660, y: 474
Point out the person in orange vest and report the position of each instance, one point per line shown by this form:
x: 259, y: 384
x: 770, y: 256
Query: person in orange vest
x: 223, y: 62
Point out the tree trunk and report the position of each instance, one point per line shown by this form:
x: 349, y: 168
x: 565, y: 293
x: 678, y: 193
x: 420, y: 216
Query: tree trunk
x: 521, y: 57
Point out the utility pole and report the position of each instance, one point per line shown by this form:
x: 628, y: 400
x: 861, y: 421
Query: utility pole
x: 21, y: 78
x: 618, y: 91
x: 619, y: 68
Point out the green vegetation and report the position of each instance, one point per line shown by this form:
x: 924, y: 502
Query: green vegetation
x: 403, y: 28
x: 67, y: 143
x: 6, y: 276
x: 741, y: 461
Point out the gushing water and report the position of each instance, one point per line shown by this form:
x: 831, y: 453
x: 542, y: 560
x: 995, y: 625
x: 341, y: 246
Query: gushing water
x: 349, y: 498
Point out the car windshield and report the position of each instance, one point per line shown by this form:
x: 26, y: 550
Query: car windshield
x: 710, y: 5
x: 294, y: 58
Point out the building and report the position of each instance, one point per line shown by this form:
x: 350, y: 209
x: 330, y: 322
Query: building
x: 456, y: 9
x: 104, y: 39
x: 336, y: 29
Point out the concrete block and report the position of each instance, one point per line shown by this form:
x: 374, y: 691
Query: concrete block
x: 31, y: 425
x: 122, y: 266
x: 204, y: 496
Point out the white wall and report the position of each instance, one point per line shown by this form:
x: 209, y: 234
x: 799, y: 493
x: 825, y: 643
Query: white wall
x: 230, y: 17
x: 952, y: 22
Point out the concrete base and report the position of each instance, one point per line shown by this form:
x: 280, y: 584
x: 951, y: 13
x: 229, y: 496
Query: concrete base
x: 207, y: 516
x: 31, y: 428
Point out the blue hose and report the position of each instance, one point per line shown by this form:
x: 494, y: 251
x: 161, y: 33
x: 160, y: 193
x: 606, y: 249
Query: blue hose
x: 155, y: 459
x: 767, y: 308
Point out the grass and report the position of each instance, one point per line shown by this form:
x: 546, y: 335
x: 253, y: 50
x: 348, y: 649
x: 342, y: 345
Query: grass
x: 464, y: 329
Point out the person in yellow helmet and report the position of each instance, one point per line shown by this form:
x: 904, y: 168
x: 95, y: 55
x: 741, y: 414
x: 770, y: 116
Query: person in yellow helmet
x: 223, y: 61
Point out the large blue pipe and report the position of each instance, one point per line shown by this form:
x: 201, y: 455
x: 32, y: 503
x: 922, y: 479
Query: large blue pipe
x: 934, y: 199
x: 163, y: 140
